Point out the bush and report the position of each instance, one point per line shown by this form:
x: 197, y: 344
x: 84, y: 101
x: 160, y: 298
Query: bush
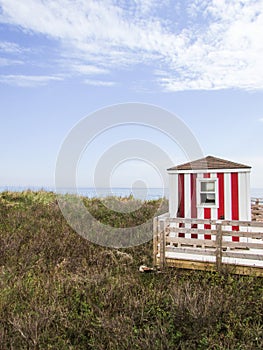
x: 59, y: 291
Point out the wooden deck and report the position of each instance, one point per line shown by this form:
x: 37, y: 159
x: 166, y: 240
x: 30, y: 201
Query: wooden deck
x: 214, y: 245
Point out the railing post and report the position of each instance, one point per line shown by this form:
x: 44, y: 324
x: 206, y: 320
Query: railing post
x: 155, y: 240
x: 162, y: 243
x: 219, y: 245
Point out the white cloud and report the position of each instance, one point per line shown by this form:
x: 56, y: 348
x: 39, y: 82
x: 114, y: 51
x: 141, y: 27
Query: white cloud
x: 89, y: 69
x: 99, y: 83
x: 27, y: 80
x: 9, y: 62
x: 218, y: 46
x: 227, y: 55
x: 10, y: 47
x: 9, y: 51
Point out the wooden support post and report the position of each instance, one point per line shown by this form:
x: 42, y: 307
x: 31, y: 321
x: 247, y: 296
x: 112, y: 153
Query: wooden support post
x: 219, y: 246
x: 155, y: 240
x: 162, y: 233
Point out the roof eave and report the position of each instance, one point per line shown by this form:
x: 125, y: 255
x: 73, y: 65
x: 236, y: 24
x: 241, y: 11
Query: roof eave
x: 198, y: 171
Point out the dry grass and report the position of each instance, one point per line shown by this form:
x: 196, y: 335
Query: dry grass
x: 59, y: 291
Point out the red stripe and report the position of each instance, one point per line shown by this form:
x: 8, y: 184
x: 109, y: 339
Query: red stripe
x: 207, y: 213
x: 193, y: 196
x: 193, y: 202
x: 234, y: 202
x: 181, y: 195
x: 181, y: 200
x: 221, y: 194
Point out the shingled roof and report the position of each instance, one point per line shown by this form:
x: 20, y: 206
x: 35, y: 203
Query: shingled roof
x: 209, y: 162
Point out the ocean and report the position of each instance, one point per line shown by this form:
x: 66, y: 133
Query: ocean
x: 91, y: 192
x: 256, y: 193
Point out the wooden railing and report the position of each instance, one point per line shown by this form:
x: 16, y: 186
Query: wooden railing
x: 230, y: 242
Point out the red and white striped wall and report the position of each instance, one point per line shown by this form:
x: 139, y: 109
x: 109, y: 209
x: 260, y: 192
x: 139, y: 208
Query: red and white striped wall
x: 233, y: 190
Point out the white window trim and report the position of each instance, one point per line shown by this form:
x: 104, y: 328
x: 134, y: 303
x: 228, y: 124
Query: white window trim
x: 198, y: 193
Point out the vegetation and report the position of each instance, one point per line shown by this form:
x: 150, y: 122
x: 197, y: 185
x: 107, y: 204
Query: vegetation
x: 59, y: 291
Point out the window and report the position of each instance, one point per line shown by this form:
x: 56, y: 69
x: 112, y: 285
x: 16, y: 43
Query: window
x: 207, y: 192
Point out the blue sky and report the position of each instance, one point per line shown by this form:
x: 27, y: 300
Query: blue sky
x: 62, y: 60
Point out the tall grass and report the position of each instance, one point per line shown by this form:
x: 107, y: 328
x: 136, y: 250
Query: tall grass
x: 59, y: 291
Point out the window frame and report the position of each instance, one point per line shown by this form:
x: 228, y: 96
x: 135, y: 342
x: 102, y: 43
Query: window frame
x: 199, y: 192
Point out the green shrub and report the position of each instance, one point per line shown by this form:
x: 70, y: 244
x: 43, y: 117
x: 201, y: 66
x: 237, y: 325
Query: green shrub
x: 60, y: 291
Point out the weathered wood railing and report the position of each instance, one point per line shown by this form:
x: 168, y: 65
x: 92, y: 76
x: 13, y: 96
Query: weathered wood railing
x: 202, y: 244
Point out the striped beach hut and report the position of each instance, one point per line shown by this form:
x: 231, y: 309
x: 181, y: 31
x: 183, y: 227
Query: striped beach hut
x: 210, y: 188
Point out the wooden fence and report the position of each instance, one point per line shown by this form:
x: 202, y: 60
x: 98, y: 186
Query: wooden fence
x: 208, y: 244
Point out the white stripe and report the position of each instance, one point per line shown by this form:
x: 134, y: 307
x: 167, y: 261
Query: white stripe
x: 248, y: 197
x: 200, y: 210
x: 242, y: 197
x: 244, y: 202
x: 187, y: 196
x: 227, y: 202
x: 227, y: 196
x: 192, y: 171
x: 173, y: 195
x: 214, y: 210
x: 187, y: 201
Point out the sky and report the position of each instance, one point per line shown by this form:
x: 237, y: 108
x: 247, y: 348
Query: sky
x: 61, y: 61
